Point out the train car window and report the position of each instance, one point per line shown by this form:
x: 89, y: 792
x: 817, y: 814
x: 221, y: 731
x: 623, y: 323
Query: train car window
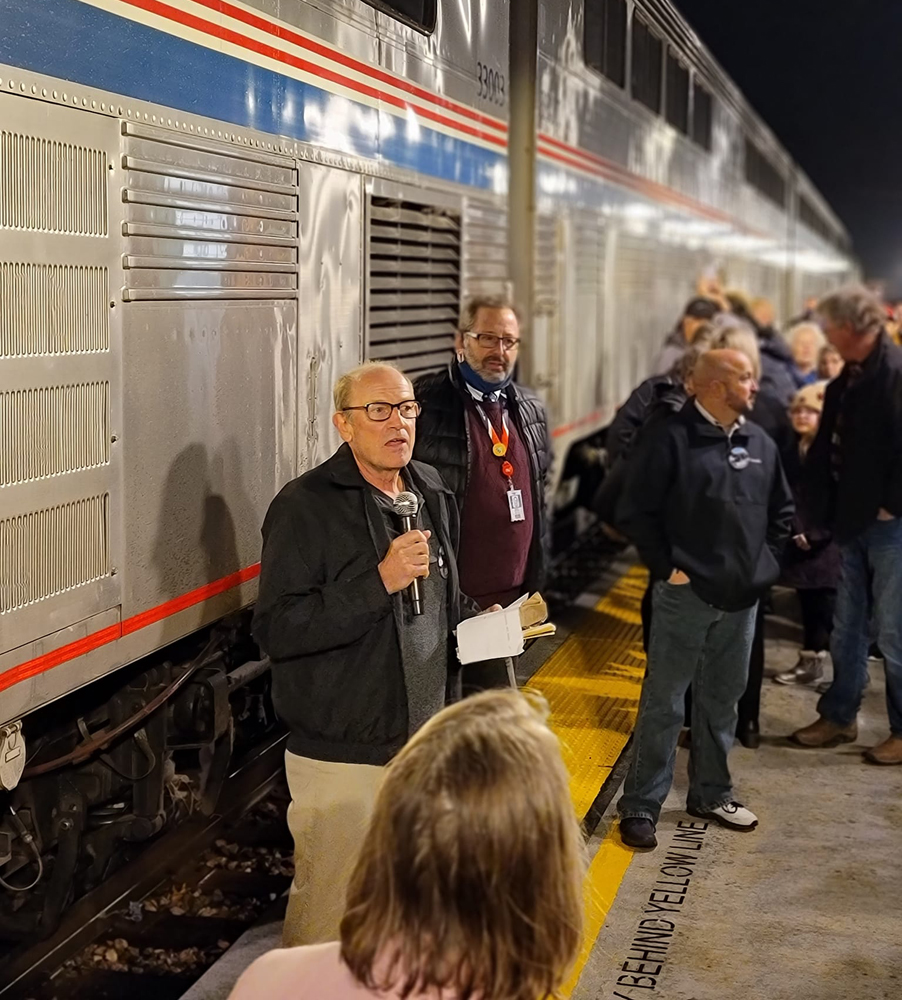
x: 419, y: 14
x: 677, y: 93
x: 815, y: 221
x: 763, y: 175
x: 648, y: 54
x: 702, y: 116
x: 604, y: 43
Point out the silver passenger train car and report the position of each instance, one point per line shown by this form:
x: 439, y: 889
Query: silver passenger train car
x: 210, y: 208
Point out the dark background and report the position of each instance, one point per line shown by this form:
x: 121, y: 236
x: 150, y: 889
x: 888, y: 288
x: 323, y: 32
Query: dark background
x: 827, y: 78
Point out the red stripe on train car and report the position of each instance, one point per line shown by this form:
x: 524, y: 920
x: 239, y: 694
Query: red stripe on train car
x: 295, y: 38
x: 582, y: 422
x: 103, y: 637
x: 582, y: 159
x: 270, y: 52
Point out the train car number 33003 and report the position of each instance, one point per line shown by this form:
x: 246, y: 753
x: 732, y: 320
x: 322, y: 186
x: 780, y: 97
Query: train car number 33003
x: 491, y: 84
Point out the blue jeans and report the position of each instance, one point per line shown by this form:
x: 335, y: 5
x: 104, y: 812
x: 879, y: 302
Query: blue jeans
x: 691, y: 643
x: 871, y: 563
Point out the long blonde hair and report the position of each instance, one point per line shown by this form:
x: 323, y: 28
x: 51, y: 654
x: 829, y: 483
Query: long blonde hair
x: 470, y: 879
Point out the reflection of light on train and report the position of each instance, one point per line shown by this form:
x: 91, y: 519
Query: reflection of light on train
x: 229, y: 225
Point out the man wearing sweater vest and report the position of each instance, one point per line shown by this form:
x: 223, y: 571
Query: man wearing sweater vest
x: 488, y: 437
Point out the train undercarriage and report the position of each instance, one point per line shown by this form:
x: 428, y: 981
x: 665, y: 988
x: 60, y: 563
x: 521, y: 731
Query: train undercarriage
x: 114, y: 765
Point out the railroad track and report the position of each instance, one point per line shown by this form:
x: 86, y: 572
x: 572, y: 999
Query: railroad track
x: 158, y: 923
x: 155, y: 926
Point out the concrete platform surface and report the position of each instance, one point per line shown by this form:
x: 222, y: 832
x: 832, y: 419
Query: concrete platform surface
x: 217, y: 982
x: 806, y: 907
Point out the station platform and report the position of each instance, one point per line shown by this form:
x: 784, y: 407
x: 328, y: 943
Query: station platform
x: 805, y: 907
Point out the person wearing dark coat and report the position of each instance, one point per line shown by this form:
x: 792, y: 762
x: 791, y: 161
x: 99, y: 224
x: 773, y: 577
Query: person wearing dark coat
x: 489, y: 439
x: 854, y: 477
x: 811, y: 564
x: 778, y: 373
x: 708, y: 508
x: 652, y: 400
x: 697, y: 314
x: 354, y: 671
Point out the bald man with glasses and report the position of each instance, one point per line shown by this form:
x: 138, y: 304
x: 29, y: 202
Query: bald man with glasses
x: 356, y: 668
x: 488, y: 437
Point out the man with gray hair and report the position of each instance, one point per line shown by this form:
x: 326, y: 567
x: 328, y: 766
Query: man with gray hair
x: 854, y: 473
x: 356, y: 667
x: 488, y: 437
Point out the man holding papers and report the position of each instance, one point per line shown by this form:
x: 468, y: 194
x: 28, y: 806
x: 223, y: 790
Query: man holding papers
x: 357, y: 665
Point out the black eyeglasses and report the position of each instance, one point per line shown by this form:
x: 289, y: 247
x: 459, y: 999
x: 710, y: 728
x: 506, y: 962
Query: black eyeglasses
x: 408, y: 408
x: 489, y: 341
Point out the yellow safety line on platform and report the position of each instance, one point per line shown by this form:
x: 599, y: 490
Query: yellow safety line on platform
x: 592, y: 684
x: 599, y: 892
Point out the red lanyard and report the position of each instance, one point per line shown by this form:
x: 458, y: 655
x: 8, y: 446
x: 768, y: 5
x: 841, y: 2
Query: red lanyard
x: 499, y: 444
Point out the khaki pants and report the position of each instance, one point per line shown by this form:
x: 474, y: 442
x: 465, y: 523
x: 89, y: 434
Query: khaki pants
x: 330, y: 810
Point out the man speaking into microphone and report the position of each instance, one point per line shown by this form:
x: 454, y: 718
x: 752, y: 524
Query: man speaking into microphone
x: 359, y: 594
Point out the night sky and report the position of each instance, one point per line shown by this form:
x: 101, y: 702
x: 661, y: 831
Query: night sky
x: 827, y: 79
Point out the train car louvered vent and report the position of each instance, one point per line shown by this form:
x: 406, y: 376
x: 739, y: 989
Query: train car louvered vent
x: 590, y: 247
x: 207, y: 220
x: 52, y: 187
x: 486, y: 269
x: 53, y: 430
x: 48, y: 552
x: 546, y: 265
x: 414, y: 284
x: 50, y: 309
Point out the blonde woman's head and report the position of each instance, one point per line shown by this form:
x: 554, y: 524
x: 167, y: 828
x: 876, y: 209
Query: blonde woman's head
x: 470, y: 877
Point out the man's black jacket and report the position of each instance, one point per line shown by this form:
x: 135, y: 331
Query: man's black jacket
x: 870, y: 448
x: 687, y: 508
x: 443, y: 440
x: 325, y: 619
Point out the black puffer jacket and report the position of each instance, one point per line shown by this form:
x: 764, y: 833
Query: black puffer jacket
x: 653, y: 401
x: 443, y: 441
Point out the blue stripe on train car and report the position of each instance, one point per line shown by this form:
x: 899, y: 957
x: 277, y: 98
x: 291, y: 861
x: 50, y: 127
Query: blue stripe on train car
x: 95, y: 48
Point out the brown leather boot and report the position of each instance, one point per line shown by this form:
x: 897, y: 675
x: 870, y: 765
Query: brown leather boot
x: 823, y: 733
x: 888, y: 752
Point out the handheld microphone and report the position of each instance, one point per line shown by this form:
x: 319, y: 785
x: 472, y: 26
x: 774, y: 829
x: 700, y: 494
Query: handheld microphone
x: 406, y: 506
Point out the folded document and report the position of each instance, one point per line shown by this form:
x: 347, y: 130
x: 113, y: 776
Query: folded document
x: 501, y: 633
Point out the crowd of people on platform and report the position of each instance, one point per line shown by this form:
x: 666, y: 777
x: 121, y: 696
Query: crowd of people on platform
x: 751, y: 458
x: 436, y: 849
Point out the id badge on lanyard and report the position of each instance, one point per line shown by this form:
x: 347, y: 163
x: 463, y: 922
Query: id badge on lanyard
x: 499, y: 450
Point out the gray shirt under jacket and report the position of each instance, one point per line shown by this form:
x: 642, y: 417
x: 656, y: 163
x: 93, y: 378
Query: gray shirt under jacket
x: 324, y: 618
x: 424, y: 638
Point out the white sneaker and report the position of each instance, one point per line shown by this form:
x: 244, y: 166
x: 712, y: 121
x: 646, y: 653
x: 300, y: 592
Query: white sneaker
x: 733, y: 815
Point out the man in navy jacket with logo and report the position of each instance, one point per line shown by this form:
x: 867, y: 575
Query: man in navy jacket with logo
x: 709, y: 509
